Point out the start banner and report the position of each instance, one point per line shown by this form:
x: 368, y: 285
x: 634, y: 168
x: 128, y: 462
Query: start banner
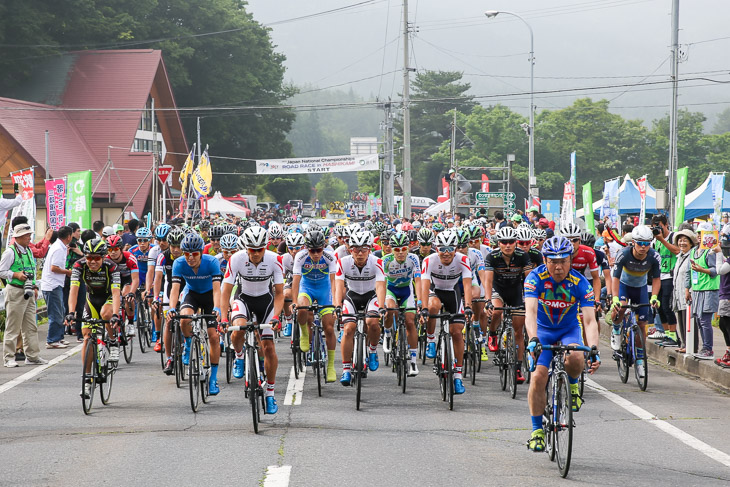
x: 309, y: 165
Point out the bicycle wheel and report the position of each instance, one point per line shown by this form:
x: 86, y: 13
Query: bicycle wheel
x: 563, y: 425
x: 359, y: 366
x: 644, y: 366
x: 90, y: 376
x: 142, y: 328
x: 405, y: 356
x: 128, y: 349
x: 449, y: 372
x: 253, y: 385
x: 106, y: 378
x: 511, y: 358
x: 161, y: 338
x: 525, y: 363
x: 204, y: 368
x: 194, y: 374
x: 440, y: 368
x: 547, y: 419
x: 177, y: 344
x: 501, y: 360
x: 387, y: 356
x: 622, y: 361
x: 470, y: 361
x: 422, y: 343
x: 317, y: 358
x: 296, y: 354
x: 230, y: 357
x: 479, y: 355
x: 582, y: 379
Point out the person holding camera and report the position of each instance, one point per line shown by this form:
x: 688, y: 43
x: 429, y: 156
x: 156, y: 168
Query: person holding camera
x: 663, y: 239
x: 17, y: 267
x: 52, y: 280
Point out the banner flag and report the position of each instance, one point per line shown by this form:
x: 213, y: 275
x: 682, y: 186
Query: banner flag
x: 25, y: 180
x: 56, y: 203
x: 588, y: 207
x: 681, y: 192
x: 78, y: 198
x: 573, y: 178
x: 187, y: 170
x: 609, y: 207
x: 203, y: 176
x: 314, y: 165
x: 641, y: 183
x: 485, y: 183
x: 445, y: 188
x: 567, y: 210
x: 718, y: 190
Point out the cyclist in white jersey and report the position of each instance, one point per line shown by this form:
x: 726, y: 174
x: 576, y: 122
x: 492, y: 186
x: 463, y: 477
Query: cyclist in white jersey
x: 470, y: 246
x: 294, y: 243
x: 343, y: 239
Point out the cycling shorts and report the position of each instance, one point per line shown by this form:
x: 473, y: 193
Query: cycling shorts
x: 403, y: 296
x: 200, y: 301
x: 510, y: 299
x: 636, y: 295
x: 567, y: 335
x: 321, y: 294
x: 92, y: 309
x: 125, y: 281
x: 451, y: 301
x: 261, y: 307
x: 354, y: 303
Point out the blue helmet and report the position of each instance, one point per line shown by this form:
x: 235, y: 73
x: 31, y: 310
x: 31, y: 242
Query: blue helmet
x: 161, y: 231
x: 192, y: 243
x: 143, y: 232
x: 557, y: 247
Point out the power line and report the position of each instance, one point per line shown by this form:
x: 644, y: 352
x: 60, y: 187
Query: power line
x: 382, y: 64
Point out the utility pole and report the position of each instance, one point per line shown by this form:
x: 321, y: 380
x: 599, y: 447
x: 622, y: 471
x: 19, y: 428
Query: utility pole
x: 406, y: 118
x: 453, y: 187
x: 388, y: 161
x: 673, y: 162
x: 155, y: 195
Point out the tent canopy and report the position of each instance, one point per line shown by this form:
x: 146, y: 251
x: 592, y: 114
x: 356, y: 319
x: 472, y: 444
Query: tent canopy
x: 438, y: 207
x: 699, y: 202
x: 217, y: 204
x: 629, y: 198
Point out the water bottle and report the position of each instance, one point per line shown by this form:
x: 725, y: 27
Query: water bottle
x: 103, y: 353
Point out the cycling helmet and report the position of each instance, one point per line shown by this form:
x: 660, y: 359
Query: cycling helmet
x: 406, y: 226
x: 315, y: 240
x: 229, y: 242
x: 462, y: 237
x: 425, y: 236
x: 204, y: 225
x: 289, y: 220
x: 118, y: 228
x: 475, y: 231
x: 95, y: 246
x: 588, y: 239
x: 175, y: 237
x: 446, y: 239
x: 369, y: 225
x: 255, y: 238
x: 230, y: 228
x: 361, y: 239
x: 294, y: 240
x: 642, y: 233
x: 161, y: 231
x: 313, y: 227
x: 417, y: 224
x: 438, y: 227
x: 114, y: 242
x: 539, y: 234
x: 339, y: 230
x: 379, y: 227
x: 571, y: 230
x: 506, y: 233
x: 107, y: 231
x: 557, y: 247
x: 216, y: 231
x: 143, y: 232
x: 523, y: 233
x: 400, y: 239
x: 275, y: 231
x: 192, y: 243
x: 354, y: 228
x: 412, y: 235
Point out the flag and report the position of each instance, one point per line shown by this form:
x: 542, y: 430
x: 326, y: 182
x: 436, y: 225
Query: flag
x: 718, y: 190
x: 681, y: 191
x: 444, y: 187
x: 78, y: 198
x: 572, y: 178
x: 588, y: 207
x: 609, y: 207
x: 203, y: 176
x: 186, y: 171
x: 567, y: 210
x: 485, y: 183
x: 641, y: 182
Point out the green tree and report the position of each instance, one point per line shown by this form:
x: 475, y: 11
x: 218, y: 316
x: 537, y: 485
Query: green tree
x: 331, y: 188
x: 282, y: 189
x: 722, y: 124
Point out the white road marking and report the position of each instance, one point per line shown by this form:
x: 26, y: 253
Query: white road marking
x: 277, y: 476
x: 38, y: 369
x: 668, y: 428
x: 295, y: 389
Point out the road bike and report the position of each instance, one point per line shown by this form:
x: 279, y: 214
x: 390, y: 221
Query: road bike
x: 506, y: 355
x: 317, y: 347
x: 97, y: 368
x: 359, y: 354
x: 144, y: 322
x: 178, y: 346
x: 298, y: 356
x: 199, y: 364
x: 632, y: 350
x: 400, y: 351
x: 444, y: 362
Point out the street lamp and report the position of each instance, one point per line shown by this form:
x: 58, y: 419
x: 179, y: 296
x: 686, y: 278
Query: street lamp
x: 532, y: 181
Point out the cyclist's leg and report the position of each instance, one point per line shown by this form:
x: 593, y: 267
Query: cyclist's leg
x: 478, y: 308
x: 304, y: 317
x: 518, y: 323
x: 239, y: 317
x: 411, y: 331
x: 453, y: 303
x: 91, y: 311
x: 349, y: 325
x: 498, y: 302
x: 373, y: 323
x: 434, y: 308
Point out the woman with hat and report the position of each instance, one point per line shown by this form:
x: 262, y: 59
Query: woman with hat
x: 685, y: 240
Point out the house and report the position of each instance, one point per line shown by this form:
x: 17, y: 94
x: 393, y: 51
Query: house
x: 97, y: 109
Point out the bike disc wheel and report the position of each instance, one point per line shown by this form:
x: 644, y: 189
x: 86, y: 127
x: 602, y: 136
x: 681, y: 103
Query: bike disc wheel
x: 511, y: 357
x: 359, y: 366
x: 89, y: 377
x: 642, y: 381
x: 253, y: 385
x: 194, y: 374
x: 563, y: 425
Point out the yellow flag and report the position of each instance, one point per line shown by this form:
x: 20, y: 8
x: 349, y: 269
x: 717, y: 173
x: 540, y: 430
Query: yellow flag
x: 203, y: 176
x: 186, y: 171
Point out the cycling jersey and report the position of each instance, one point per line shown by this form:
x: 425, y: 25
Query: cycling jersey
x: 558, y: 303
x: 476, y: 262
x: 201, y: 281
x: 634, y: 272
x: 401, y: 275
x: 508, y: 277
x: 422, y: 257
x: 360, y: 280
x: 314, y: 273
x: 445, y: 277
x: 535, y: 257
x: 164, y: 266
x: 271, y: 247
x: 154, y: 252
x: 287, y: 264
x: 142, y: 260
x: 126, y: 266
x: 341, y: 251
x: 584, y: 258
x: 254, y: 279
x: 99, y: 283
x: 209, y: 249
x: 222, y: 262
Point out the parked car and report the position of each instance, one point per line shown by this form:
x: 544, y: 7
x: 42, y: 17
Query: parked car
x: 308, y: 210
x: 266, y: 205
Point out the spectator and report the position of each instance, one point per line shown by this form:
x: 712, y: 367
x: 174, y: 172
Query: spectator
x: 8, y: 204
x: 499, y: 220
x: 684, y: 240
x: 52, y: 280
x: 74, y: 254
x: 39, y: 249
x: 668, y: 252
x: 702, y: 290
x: 724, y: 311
x: 98, y: 226
x: 17, y: 266
x: 128, y: 237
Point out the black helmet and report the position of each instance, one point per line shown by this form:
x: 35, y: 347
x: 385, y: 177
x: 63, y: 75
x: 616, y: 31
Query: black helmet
x: 216, y: 231
x: 95, y: 246
x: 588, y: 239
x: 315, y: 240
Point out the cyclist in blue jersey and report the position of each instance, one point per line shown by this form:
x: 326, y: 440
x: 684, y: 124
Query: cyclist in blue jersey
x: 313, y: 278
x: 202, y: 276
x: 554, y: 294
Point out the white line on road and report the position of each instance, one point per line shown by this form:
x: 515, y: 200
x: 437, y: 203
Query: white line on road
x: 29, y: 375
x: 295, y: 389
x: 668, y: 428
x: 277, y: 476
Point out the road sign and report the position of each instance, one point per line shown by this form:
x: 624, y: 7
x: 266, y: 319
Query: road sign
x: 483, y: 198
x: 164, y: 172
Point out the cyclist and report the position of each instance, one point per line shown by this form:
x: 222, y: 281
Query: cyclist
x: 313, y: 276
x: 294, y: 243
x: 204, y: 226
x: 506, y: 269
x: 103, y: 298
x: 589, y: 240
x: 229, y: 246
x: 634, y: 265
x: 161, y: 233
x: 425, y: 244
x: 362, y: 273
x: 440, y: 282
x: 478, y: 276
x: 162, y: 288
x: 128, y: 275
x: 554, y: 294
x: 214, y: 246
x: 343, y: 238
x: 141, y: 252
x: 402, y: 271
x: 276, y: 235
x: 524, y: 235
x: 201, y: 275
x: 254, y: 270
x: 539, y: 236
x: 583, y: 257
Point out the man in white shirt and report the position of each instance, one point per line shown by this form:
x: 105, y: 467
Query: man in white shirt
x: 52, y: 281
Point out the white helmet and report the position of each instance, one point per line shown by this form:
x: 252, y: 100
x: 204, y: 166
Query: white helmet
x: 361, y: 239
x: 254, y: 238
x: 506, y: 233
x: 523, y: 233
x: 642, y: 233
x: 275, y: 230
x: 294, y: 240
x: 108, y: 231
x: 571, y: 230
x: 447, y: 238
x: 354, y: 228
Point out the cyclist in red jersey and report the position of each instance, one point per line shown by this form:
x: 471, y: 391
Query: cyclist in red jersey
x: 583, y: 257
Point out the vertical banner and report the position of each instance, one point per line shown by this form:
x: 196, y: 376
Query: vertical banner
x: 718, y: 190
x: 78, y: 198
x: 588, y: 207
x: 203, y: 175
x: 485, y: 183
x: 56, y: 203
x: 609, y: 207
x: 681, y: 192
x: 573, y: 178
x: 185, y: 173
x: 445, y: 188
x: 25, y: 180
x: 567, y: 211
x: 641, y: 182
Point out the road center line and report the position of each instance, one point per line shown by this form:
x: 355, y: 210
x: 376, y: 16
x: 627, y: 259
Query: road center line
x: 36, y: 371
x: 668, y: 428
x: 295, y: 389
x: 277, y: 476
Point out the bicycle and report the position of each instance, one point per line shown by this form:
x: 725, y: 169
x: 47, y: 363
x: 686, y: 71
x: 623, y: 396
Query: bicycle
x: 199, y: 364
x: 96, y: 361
x: 317, y: 348
x: 479, y: 340
x: 628, y: 355
x: 558, y: 415
x: 254, y: 374
x: 178, y: 345
x: 422, y: 341
x: 298, y: 356
x: 444, y: 362
x: 506, y: 355
x: 144, y: 322
x: 359, y: 352
x: 125, y: 341
x: 157, y: 310
x: 400, y: 352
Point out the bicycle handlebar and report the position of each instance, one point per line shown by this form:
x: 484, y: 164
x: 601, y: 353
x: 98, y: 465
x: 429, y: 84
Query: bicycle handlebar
x: 400, y: 309
x: 634, y: 306
x: 249, y: 326
x: 447, y: 315
x: 315, y: 307
x: 567, y: 348
x: 508, y: 308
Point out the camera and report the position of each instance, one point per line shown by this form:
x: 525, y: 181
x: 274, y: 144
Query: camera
x: 656, y: 230
x: 28, y: 286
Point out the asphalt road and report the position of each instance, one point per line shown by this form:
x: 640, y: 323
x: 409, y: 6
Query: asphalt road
x: 148, y: 435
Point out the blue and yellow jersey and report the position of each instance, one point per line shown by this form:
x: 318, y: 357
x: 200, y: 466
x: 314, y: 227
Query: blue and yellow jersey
x: 558, y: 302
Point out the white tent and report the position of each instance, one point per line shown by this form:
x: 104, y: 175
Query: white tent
x: 439, y: 207
x: 217, y: 204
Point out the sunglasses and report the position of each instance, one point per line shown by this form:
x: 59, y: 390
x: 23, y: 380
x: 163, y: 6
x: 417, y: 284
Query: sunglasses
x: 475, y: 240
x: 508, y: 242
x: 215, y: 239
x: 575, y: 240
x: 298, y: 247
x: 192, y: 254
x: 400, y: 249
x: 143, y: 240
x: 316, y: 251
x: 446, y: 250
x: 94, y: 258
x: 524, y: 242
x: 256, y: 251
x: 360, y: 250
x: 461, y: 246
x: 642, y: 244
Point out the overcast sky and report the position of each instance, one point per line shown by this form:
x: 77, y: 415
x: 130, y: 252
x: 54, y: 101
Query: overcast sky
x: 578, y: 44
